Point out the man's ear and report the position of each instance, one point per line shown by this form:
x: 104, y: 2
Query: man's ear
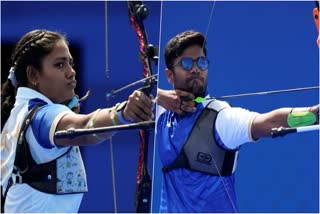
x: 32, y: 75
x: 316, y: 17
x: 170, y: 76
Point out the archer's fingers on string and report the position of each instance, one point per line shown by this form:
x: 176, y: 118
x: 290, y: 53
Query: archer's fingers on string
x: 190, y: 103
x: 188, y: 106
x: 189, y: 109
x: 184, y: 98
x: 178, y: 111
x: 185, y: 95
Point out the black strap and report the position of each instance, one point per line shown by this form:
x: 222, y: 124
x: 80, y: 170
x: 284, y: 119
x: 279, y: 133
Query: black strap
x: 21, y: 149
x: 201, y: 151
x: 23, y: 158
x: 180, y: 162
x: 2, y: 199
x: 42, y: 177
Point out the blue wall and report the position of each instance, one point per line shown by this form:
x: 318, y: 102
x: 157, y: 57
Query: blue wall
x: 253, y: 46
x: 259, y: 46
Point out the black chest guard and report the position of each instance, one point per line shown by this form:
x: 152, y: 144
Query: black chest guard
x: 46, y: 177
x: 201, y: 152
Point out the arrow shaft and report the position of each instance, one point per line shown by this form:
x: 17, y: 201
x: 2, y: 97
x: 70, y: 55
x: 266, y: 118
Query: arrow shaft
x: 266, y: 92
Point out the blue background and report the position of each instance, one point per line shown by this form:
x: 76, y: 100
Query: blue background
x: 259, y: 46
x: 253, y: 46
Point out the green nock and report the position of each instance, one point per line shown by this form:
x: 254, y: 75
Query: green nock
x: 199, y: 99
x: 298, y: 119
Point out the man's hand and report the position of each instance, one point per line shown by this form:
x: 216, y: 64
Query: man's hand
x: 176, y: 100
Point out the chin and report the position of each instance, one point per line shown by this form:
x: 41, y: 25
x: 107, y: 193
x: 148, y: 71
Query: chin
x: 198, y: 90
x: 67, y: 98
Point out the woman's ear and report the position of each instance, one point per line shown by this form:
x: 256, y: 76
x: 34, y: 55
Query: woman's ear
x: 33, y: 76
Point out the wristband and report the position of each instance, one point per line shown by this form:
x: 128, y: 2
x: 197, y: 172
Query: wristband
x: 121, y: 118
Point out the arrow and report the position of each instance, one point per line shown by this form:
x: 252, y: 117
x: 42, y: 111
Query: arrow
x: 201, y: 99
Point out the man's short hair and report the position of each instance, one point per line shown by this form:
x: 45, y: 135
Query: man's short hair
x: 176, y: 46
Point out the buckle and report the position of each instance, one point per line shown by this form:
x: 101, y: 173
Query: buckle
x: 16, y: 178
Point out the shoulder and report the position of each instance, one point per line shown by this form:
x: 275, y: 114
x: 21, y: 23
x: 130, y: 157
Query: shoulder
x: 47, y: 106
x: 217, y: 105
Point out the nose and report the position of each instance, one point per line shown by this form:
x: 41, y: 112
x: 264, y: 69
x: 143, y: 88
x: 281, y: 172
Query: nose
x: 70, y: 72
x: 195, y: 69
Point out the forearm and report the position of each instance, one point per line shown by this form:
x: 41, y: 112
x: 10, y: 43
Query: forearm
x: 263, y: 123
x: 96, y: 119
x: 161, y: 97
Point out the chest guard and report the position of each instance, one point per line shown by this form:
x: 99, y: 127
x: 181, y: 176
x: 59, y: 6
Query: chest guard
x: 63, y: 175
x: 201, y: 152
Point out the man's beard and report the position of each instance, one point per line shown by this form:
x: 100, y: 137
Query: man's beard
x: 195, y: 85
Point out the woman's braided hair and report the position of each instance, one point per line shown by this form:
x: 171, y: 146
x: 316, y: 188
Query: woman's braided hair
x: 30, y: 50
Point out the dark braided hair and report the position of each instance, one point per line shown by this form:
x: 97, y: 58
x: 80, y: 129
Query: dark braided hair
x: 30, y: 50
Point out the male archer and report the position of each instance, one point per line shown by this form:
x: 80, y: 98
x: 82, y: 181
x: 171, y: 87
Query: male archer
x: 199, y: 149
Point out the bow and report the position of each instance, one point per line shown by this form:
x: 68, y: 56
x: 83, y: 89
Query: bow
x: 137, y: 13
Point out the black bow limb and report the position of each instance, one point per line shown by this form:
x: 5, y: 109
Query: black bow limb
x: 138, y: 12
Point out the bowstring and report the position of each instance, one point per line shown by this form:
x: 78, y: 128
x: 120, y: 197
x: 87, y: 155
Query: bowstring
x: 114, y: 190
x: 209, y: 23
x: 204, y: 42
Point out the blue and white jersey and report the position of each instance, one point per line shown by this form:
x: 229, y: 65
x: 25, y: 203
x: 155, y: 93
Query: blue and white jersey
x: 40, y: 136
x: 188, y: 191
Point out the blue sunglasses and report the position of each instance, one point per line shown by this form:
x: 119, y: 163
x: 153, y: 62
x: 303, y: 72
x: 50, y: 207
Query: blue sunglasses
x: 187, y: 63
